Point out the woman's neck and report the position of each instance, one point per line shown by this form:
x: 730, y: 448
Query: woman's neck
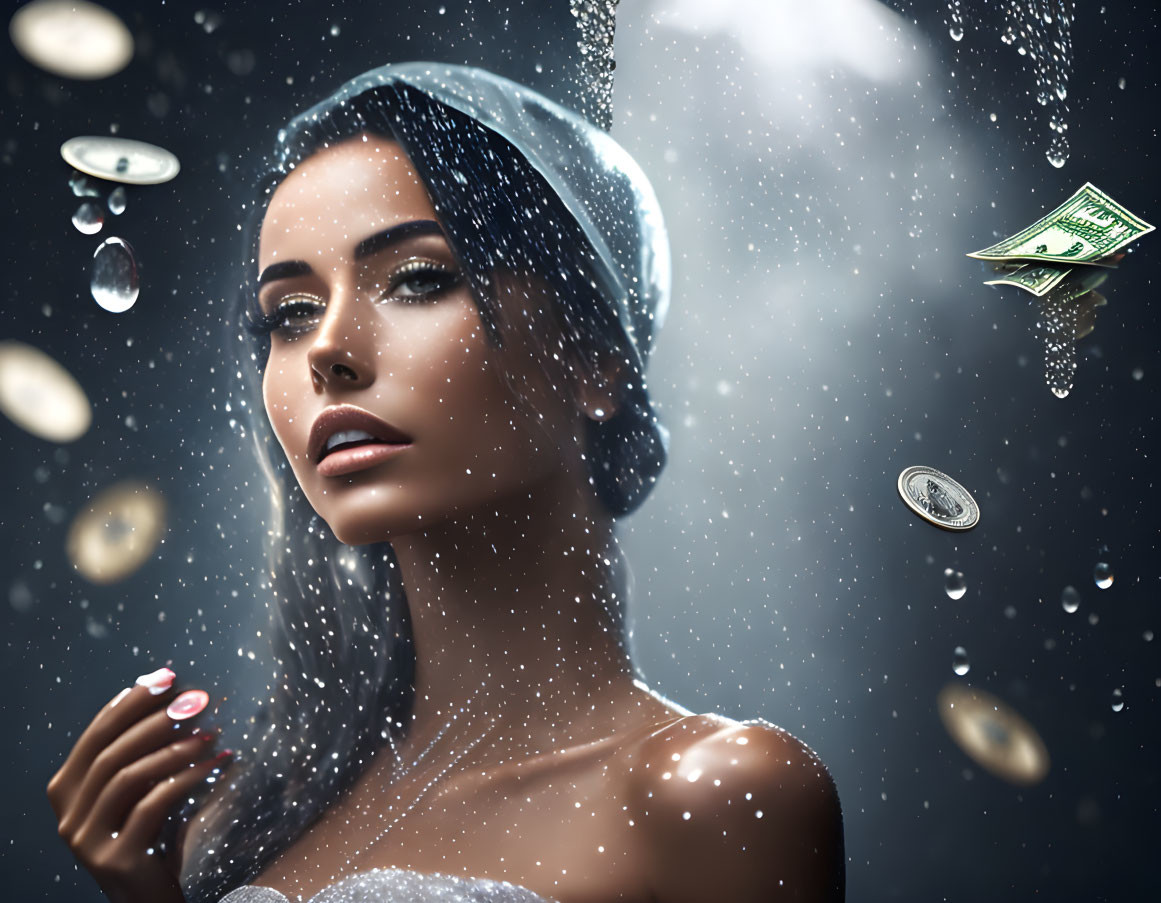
x: 508, y: 617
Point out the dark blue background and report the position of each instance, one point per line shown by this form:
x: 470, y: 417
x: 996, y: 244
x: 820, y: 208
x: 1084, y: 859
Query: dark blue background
x: 818, y: 602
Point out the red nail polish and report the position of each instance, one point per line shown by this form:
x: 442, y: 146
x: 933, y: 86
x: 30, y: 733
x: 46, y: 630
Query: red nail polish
x: 225, y: 753
x: 188, y: 704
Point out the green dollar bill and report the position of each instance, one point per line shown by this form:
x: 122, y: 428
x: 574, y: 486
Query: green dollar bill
x: 1089, y: 226
x: 1035, y: 278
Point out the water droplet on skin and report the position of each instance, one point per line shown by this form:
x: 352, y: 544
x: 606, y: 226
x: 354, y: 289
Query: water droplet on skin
x: 1070, y: 599
x: 1118, y: 702
x: 959, y: 661
x: 89, y: 219
x: 1102, y: 575
x: 114, y: 275
x: 954, y: 584
x: 117, y: 200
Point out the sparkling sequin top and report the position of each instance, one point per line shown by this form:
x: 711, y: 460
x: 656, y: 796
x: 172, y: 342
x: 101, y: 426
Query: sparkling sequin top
x: 398, y: 886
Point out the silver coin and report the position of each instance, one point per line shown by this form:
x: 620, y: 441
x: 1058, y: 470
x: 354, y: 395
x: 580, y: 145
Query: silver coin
x: 120, y: 159
x: 938, y: 499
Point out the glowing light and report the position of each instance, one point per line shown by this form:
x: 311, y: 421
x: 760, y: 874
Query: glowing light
x: 41, y: 396
x: 71, y: 38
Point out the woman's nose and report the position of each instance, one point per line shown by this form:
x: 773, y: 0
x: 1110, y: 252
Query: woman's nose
x: 341, y: 355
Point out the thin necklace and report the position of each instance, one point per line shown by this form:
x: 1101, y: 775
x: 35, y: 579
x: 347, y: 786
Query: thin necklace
x: 426, y: 787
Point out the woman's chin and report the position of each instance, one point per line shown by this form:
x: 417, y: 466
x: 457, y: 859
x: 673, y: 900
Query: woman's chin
x: 365, y: 531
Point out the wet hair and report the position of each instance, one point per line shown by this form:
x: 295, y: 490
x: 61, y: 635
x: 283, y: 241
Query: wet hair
x: 344, y: 660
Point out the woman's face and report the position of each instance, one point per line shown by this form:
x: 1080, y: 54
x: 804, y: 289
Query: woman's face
x: 378, y: 324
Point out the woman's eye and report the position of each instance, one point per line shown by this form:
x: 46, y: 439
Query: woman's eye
x: 420, y: 280
x: 295, y: 313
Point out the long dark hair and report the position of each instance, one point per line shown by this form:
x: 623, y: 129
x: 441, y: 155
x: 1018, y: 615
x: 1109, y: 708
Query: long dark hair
x: 340, y: 630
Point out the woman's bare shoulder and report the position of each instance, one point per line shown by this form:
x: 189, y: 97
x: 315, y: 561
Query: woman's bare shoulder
x: 735, y: 810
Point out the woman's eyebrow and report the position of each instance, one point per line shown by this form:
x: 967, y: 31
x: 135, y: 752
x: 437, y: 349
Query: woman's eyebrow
x: 372, y: 244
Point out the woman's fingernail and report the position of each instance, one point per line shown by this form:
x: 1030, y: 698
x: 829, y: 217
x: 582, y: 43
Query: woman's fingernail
x: 120, y: 696
x: 224, y: 754
x: 158, y: 681
x: 188, y: 704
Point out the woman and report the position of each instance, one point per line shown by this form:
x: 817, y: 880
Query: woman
x: 451, y: 295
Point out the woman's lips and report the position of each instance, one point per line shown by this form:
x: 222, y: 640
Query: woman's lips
x: 350, y: 460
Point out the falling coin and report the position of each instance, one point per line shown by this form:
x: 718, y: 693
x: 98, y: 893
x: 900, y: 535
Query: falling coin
x: 41, y: 396
x: 938, y: 499
x: 120, y: 159
x: 117, y: 532
x: 993, y: 735
x: 71, y: 38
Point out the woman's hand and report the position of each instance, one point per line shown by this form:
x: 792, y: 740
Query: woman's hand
x: 138, y: 758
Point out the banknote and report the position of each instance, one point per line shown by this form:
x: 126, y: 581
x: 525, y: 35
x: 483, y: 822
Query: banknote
x: 1087, y: 228
x: 1039, y: 279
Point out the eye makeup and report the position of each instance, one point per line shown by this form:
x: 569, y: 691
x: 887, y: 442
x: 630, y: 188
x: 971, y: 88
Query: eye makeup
x: 298, y: 311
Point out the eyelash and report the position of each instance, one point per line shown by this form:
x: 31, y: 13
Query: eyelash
x: 304, y: 304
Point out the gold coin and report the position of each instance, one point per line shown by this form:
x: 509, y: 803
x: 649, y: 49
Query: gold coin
x: 938, y: 499
x: 117, y: 531
x: 41, y: 396
x: 993, y: 735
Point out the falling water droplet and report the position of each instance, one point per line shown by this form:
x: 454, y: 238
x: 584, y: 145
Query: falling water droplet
x: 1070, y: 599
x: 596, y: 20
x: 959, y: 661
x: 1102, y: 575
x: 114, y: 275
x: 117, y: 200
x: 954, y: 584
x: 956, y: 32
x: 1060, y: 391
x: 1118, y: 699
x: 82, y: 186
x: 89, y: 219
